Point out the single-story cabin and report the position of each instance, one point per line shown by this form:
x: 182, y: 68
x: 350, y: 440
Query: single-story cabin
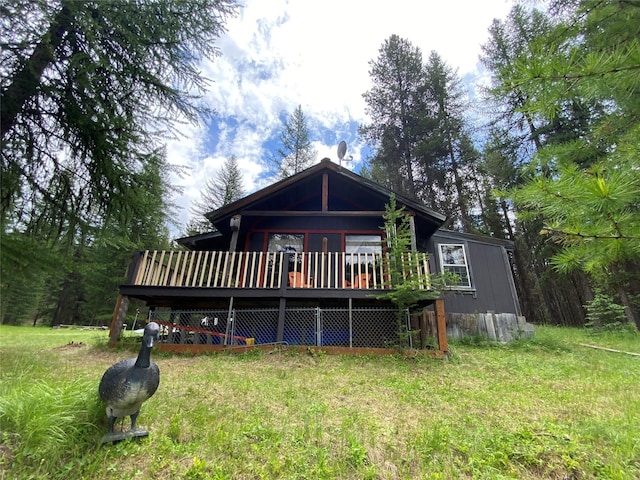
x: 302, y: 262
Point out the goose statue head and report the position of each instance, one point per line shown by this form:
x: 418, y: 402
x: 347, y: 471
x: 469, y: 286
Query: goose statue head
x: 126, y: 385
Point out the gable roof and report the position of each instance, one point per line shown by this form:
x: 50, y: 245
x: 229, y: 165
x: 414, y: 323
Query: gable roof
x: 348, y: 192
x: 301, y: 191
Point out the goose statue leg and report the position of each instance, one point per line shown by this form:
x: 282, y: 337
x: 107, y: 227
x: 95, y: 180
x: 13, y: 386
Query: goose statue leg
x: 135, y: 431
x: 112, y: 435
x: 112, y: 422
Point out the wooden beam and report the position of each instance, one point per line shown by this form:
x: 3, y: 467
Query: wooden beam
x: 235, y: 228
x: 610, y: 349
x: 119, y: 314
x: 311, y: 213
x: 325, y: 192
x: 423, y: 328
x: 195, y: 349
x: 412, y: 226
x: 281, y: 313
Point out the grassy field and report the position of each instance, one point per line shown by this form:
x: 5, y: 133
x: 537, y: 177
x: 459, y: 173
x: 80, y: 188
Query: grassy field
x: 543, y: 408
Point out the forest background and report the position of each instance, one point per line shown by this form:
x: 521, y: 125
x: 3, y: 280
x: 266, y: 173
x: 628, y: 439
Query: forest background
x: 550, y: 162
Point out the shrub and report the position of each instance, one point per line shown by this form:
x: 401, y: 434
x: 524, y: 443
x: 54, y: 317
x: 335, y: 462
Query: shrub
x: 604, y: 314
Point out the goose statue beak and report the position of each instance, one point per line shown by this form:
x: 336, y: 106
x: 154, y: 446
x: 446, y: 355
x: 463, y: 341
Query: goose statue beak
x: 149, y: 340
x: 151, y: 335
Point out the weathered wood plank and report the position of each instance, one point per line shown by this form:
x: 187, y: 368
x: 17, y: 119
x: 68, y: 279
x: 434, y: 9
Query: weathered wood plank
x: 609, y: 349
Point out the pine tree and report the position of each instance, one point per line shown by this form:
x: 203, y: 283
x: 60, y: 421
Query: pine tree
x: 447, y: 156
x: 59, y: 282
x: 407, y: 290
x: 509, y: 40
x: 519, y: 133
x: 396, y: 106
x: 226, y: 186
x: 296, y: 151
x: 585, y: 185
x: 89, y: 89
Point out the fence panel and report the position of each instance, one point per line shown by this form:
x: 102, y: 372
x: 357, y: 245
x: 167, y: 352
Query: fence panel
x: 330, y: 327
x: 192, y: 326
x: 301, y: 326
x: 260, y: 324
x: 336, y: 331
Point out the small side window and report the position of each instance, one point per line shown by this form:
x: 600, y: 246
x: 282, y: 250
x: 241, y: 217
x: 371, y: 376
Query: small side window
x: 453, y: 259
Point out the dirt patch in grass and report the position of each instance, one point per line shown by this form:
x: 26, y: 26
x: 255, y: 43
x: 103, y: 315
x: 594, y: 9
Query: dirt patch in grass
x: 6, y: 457
x: 71, y: 345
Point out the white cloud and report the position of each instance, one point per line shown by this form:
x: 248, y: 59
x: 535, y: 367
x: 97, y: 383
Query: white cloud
x: 278, y: 54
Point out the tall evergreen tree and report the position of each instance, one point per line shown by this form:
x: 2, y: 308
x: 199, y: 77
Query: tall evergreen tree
x: 296, y: 151
x: 509, y: 40
x: 89, y: 91
x: 546, y: 296
x: 86, y: 89
x: 226, y: 186
x: 499, y: 173
x: 589, y: 198
x: 396, y: 106
x: 448, y: 155
x: 54, y: 282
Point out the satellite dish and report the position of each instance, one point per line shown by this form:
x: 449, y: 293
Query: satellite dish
x: 342, y: 149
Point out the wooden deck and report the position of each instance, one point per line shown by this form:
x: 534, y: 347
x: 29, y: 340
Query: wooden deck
x: 265, y: 270
x: 184, y: 280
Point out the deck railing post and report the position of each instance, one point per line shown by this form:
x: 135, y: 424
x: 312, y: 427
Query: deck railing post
x: 318, y: 327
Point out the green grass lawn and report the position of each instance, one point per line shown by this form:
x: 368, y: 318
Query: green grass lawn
x: 543, y: 408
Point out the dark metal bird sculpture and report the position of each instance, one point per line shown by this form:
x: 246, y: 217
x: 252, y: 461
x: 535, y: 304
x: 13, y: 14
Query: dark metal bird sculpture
x: 126, y: 385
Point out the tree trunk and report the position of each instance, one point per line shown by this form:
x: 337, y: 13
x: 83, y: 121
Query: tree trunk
x: 457, y: 181
x: 26, y: 82
x: 629, y: 311
x: 507, y: 220
x: 527, y: 286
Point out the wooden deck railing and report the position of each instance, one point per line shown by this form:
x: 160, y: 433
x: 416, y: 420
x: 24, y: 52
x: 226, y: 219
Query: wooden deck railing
x: 209, y: 269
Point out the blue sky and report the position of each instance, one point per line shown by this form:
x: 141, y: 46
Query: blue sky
x: 279, y: 54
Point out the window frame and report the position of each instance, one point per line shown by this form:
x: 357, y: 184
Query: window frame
x: 374, y: 245
x: 451, y: 267
x: 284, y: 248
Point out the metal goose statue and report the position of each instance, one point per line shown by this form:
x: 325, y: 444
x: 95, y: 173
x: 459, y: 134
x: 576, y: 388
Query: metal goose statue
x: 126, y: 385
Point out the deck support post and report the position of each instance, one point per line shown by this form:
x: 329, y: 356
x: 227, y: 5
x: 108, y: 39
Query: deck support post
x: 441, y: 327
x: 281, y: 311
x: 119, y: 314
x: 350, y: 322
x: 235, y: 228
x: 416, y: 330
x: 228, y: 329
x: 284, y: 281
